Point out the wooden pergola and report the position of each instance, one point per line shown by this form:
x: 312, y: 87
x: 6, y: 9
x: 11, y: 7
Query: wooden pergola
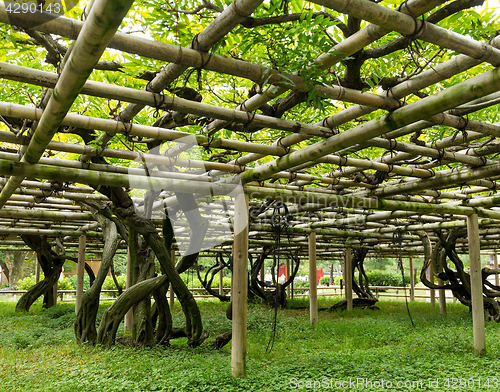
x: 337, y: 198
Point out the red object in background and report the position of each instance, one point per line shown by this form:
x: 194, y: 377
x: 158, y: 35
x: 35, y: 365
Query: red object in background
x: 282, y: 270
x: 319, y: 274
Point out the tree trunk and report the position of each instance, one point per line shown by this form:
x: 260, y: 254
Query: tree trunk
x: 85, y: 328
x: 162, y: 309
x: 142, y: 331
x: 5, y: 267
x: 194, y: 327
x: 16, y: 271
x: 113, y: 316
x: 51, y: 264
x: 43, y: 287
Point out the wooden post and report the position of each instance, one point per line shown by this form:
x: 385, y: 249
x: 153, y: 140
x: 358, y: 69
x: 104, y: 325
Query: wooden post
x: 221, y: 283
x: 495, y: 263
x: 80, y: 273
x: 54, y: 288
x: 239, y: 287
x: 37, y: 271
x: 313, y: 289
x: 129, y: 316
x: 348, y: 278
x: 287, y: 275
x: 430, y: 277
x: 171, y: 290
x: 412, y: 281
x: 442, y: 292
x: 263, y: 277
x: 476, y: 283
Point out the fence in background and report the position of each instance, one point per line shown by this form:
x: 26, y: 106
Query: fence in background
x: 379, y: 291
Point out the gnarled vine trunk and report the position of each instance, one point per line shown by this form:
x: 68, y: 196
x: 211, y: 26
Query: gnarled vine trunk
x: 51, y: 263
x: 454, y: 275
x: 85, y: 328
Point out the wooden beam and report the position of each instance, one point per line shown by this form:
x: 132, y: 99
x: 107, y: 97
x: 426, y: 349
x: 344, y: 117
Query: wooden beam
x: 348, y: 278
x: 80, y: 274
x: 239, y: 289
x: 313, y: 289
x: 476, y: 283
x: 495, y: 261
x: 412, y: 281
x: 442, y: 292
x: 171, y: 290
x: 430, y: 276
x: 129, y: 316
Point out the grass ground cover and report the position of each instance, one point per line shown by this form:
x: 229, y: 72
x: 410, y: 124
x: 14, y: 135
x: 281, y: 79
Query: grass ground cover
x: 38, y: 352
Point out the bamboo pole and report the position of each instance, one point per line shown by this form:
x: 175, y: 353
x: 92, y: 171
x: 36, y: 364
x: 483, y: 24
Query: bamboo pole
x: 70, y: 28
x: 122, y: 180
x: 96, y: 33
x: 409, y: 26
x: 346, y: 48
x: 348, y: 278
x: 92, y: 177
x: 80, y: 274
x: 476, y: 285
x: 239, y: 287
x: 49, y: 232
x: 235, y: 13
x: 364, y: 37
x: 103, y: 90
x: 45, y: 215
x: 313, y: 289
x: 447, y: 180
x: 49, y: 186
x: 149, y: 158
x: 468, y: 90
x: 106, y: 125
x: 437, y: 73
x: 332, y: 200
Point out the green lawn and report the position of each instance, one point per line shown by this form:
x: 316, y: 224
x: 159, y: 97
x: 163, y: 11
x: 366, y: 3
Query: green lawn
x: 38, y: 352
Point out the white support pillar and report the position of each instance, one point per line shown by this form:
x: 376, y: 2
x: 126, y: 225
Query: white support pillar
x: 129, y: 316
x: 348, y: 278
x: 495, y: 261
x: 313, y: 289
x: 412, y: 281
x: 80, y: 272
x: 171, y: 290
x: 476, y: 283
x: 239, y: 287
